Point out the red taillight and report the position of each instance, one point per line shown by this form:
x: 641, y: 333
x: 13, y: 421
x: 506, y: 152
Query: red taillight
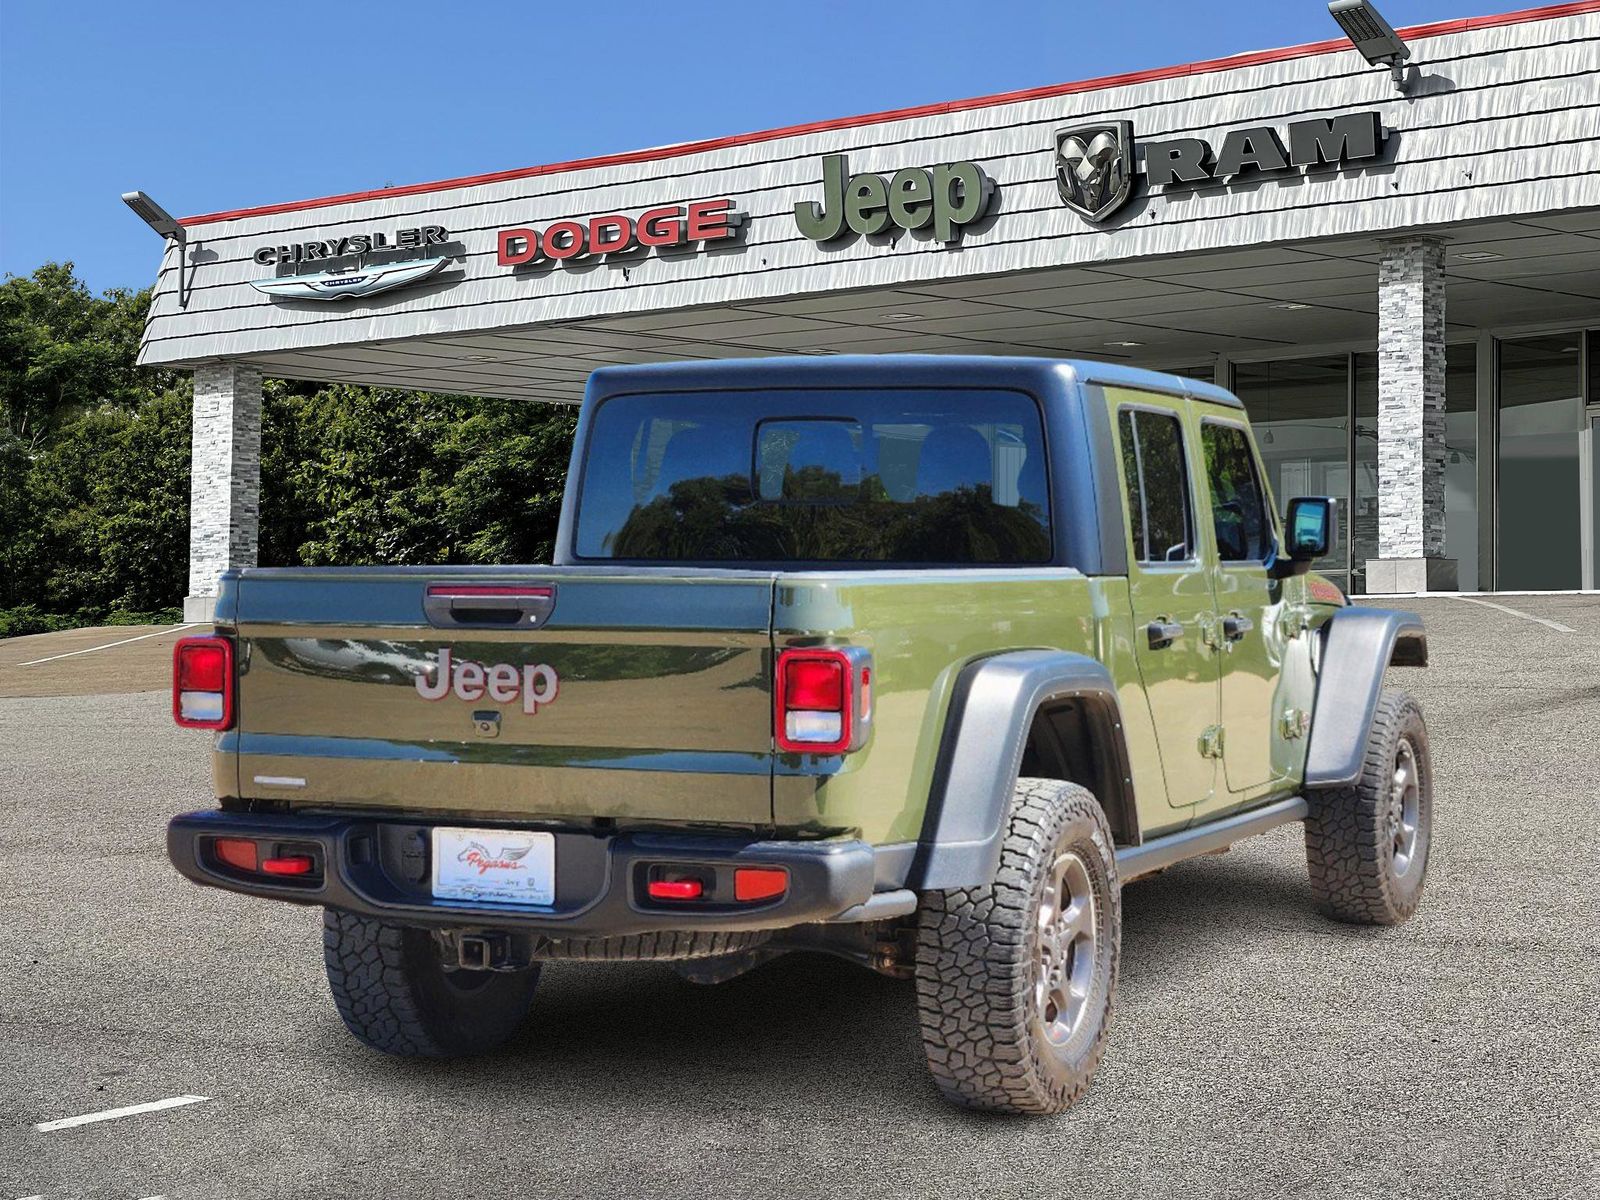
x: 238, y: 853
x: 813, y: 701
x: 815, y: 684
x: 759, y: 883
x: 202, y: 683
x: 203, y: 668
x: 674, y: 889
x: 288, y: 864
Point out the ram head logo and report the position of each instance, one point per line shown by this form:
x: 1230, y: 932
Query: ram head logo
x: 1094, y: 167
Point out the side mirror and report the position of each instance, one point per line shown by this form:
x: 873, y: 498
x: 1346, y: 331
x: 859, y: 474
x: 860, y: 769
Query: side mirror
x: 1312, y: 529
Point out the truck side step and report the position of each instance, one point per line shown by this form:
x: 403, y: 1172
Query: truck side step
x: 1163, y: 852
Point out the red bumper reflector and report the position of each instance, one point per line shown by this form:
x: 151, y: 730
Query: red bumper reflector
x: 289, y: 864
x: 674, y: 889
x: 759, y: 883
x: 238, y: 853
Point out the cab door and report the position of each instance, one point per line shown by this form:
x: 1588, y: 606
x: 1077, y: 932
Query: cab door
x: 1170, y: 588
x: 1248, y: 601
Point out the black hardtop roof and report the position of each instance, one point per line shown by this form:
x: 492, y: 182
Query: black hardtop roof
x: 891, y: 370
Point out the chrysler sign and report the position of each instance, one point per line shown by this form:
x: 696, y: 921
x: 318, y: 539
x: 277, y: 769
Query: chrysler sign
x: 1097, y: 163
x: 354, y: 265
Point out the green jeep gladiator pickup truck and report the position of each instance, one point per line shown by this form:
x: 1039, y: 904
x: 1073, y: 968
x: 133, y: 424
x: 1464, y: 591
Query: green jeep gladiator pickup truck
x: 914, y: 660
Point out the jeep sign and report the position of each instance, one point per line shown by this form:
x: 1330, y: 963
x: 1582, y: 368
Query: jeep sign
x: 947, y: 197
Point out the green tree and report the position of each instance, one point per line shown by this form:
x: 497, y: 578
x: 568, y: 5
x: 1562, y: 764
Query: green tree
x: 114, y: 488
x: 94, y: 465
x: 506, y: 497
x: 21, y: 532
x: 64, y: 351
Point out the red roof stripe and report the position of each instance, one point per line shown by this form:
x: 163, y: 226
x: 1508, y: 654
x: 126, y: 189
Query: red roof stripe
x: 1208, y: 66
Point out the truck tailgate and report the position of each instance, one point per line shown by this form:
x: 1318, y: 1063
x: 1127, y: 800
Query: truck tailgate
x: 639, y: 695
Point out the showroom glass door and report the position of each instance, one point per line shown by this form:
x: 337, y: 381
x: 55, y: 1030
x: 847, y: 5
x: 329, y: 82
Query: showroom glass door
x: 1591, y: 564
x: 1591, y: 482
x: 1539, y: 531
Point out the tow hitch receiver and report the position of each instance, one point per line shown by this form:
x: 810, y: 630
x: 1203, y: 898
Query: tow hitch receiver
x: 485, y: 952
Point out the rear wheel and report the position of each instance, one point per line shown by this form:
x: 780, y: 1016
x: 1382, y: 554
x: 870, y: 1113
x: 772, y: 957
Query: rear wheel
x: 394, y: 993
x: 1367, y: 845
x: 1015, y: 980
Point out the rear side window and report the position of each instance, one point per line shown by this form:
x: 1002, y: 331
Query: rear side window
x: 839, y: 476
x: 1160, y: 516
x: 1238, y: 501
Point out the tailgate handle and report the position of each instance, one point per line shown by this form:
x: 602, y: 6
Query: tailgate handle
x: 450, y: 605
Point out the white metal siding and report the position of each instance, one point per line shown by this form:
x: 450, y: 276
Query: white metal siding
x: 1505, y: 122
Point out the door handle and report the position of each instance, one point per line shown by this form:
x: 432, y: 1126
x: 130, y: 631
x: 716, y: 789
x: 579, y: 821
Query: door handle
x: 1235, y: 626
x: 1163, y: 633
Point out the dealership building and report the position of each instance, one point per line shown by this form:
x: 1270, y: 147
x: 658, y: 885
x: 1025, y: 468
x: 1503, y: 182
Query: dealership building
x: 1397, y: 271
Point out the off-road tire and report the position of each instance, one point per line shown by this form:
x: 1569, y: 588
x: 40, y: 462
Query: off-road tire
x: 979, y: 961
x: 393, y: 992
x: 1352, y: 847
x: 669, y: 946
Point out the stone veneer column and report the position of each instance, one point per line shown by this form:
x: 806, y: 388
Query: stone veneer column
x: 224, y: 480
x: 1411, y: 426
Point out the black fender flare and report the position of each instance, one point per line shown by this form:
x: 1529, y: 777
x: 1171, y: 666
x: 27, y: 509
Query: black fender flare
x: 1359, y: 644
x: 991, y: 710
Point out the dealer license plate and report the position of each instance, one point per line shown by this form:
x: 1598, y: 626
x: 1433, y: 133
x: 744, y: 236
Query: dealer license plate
x: 500, y: 866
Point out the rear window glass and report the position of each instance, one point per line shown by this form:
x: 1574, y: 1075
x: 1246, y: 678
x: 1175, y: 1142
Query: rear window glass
x: 841, y: 476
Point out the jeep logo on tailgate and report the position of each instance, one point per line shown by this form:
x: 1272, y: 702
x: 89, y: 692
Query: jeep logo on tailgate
x: 503, y: 683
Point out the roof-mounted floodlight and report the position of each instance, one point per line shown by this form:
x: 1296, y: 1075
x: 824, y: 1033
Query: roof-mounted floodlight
x: 164, y: 223
x: 1372, y: 36
x: 153, y: 215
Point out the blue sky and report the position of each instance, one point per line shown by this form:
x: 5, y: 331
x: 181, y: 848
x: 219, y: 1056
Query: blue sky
x: 212, y: 106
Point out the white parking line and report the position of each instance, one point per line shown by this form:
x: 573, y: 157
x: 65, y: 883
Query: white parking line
x: 111, y: 1114
x: 1556, y: 625
x: 108, y: 645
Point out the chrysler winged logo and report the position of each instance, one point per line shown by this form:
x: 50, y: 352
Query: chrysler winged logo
x: 337, y: 285
x: 1094, y: 167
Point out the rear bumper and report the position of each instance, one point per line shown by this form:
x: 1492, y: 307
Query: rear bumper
x: 381, y: 868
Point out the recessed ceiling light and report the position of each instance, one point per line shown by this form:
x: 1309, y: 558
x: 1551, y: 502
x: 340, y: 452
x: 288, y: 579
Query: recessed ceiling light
x: 1124, y: 343
x: 1478, y: 256
x: 902, y: 317
x: 1289, y: 305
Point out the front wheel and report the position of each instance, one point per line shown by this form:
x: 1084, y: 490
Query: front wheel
x: 1367, y: 845
x: 1015, y: 980
x: 392, y: 989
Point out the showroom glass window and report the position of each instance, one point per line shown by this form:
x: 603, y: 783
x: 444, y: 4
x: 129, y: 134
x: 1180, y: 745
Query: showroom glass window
x: 1593, y: 356
x: 1539, y: 546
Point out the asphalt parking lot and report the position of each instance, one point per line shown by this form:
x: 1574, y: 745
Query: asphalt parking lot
x: 1258, y: 1050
